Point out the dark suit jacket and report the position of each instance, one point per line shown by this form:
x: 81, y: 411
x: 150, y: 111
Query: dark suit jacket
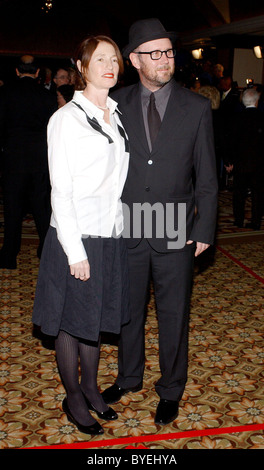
x: 184, y: 144
x: 247, y: 144
x: 230, y: 105
x: 25, y: 108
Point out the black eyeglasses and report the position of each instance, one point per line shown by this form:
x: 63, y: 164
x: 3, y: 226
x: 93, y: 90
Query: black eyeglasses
x: 156, y: 55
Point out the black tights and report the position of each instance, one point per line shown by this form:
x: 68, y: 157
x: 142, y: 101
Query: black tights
x: 68, y: 351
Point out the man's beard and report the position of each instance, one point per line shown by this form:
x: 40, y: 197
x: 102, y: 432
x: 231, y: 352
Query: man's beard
x: 156, y: 78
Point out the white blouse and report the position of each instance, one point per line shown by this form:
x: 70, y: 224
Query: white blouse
x: 88, y: 164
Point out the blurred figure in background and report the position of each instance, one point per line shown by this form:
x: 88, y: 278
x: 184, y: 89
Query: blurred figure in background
x: 195, y: 84
x: 247, y: 160
x: 218, y: 73
x: 72, y: 76
x: 64, y: 94
x: 229, y: 108
x: 25, y: 108
x: 213, y: 94
x: 61, y: 77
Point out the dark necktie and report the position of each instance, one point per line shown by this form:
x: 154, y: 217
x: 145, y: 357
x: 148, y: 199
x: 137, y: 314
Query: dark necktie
x: 153, y: 119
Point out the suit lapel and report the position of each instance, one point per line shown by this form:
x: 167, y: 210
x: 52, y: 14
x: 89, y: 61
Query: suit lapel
x: 132, y: 117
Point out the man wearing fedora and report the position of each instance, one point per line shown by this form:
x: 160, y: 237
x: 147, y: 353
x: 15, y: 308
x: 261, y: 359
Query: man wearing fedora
x: 172, y: 164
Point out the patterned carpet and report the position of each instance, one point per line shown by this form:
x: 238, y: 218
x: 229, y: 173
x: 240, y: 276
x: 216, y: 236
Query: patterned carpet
x: 223, y: 403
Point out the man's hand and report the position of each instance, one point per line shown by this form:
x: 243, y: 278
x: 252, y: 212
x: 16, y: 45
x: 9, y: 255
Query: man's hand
x: 229, y: 168
x: 200, y: 247
x: 80, y: 270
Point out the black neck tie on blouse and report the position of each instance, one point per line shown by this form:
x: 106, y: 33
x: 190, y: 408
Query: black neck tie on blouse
x: 154, y: 120
x: 95, y: 124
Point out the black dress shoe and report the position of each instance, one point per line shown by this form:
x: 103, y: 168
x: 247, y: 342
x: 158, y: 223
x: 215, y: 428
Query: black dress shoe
x: 167, y: 411
x: 108, y: 415
x: 6, y: 263
x: 114, y: 393
x: 94, y: 429
x: 238, y: 224
x: 253, y: 226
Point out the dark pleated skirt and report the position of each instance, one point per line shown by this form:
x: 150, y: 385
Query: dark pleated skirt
x: 82, y: 308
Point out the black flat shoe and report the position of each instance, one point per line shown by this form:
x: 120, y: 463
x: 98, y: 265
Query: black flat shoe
x: 167, y: 411
x: 114, y: 393
x: 94, y: 429
x: 108, y: 415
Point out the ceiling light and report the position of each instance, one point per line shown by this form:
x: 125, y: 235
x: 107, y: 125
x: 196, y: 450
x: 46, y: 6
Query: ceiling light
x: 197, y: 53
x: 47, y: 6
x: 258, y: 51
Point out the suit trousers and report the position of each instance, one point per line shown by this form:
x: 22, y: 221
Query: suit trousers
x: 24, y: 192
x: 242, y: 182
x: 171, y: 274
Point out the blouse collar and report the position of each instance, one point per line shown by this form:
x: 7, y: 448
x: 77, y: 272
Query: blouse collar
x: 91, y: 108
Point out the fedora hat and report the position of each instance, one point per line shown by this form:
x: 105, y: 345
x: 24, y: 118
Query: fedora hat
x: 146, y: 30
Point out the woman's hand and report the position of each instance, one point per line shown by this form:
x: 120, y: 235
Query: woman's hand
x: 80, y: 270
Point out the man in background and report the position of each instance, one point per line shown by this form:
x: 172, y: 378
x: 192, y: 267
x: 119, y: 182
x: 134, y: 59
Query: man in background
x: 247, y: 160
x: 25, y: 108
x: 61, y: 77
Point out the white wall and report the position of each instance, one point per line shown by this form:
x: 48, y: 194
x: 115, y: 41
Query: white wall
x: 246, y: 65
